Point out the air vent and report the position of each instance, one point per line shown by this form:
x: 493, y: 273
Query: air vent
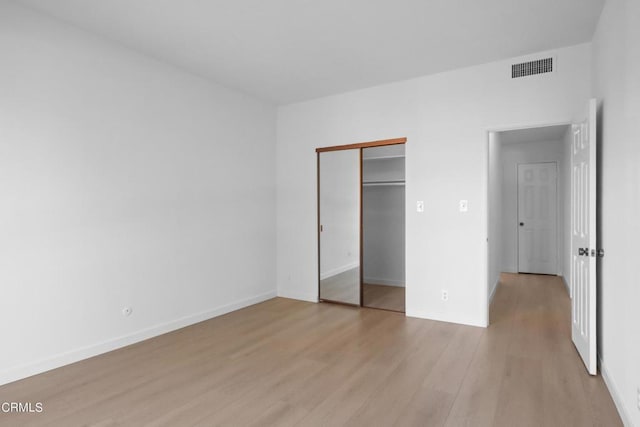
x: 532, y: 68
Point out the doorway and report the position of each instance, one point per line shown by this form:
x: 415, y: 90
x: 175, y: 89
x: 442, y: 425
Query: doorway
x: 529, y: 202
x: 383, y: 227
x: 578, y: 249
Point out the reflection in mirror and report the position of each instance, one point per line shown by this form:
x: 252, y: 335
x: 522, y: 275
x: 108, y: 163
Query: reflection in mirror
x: 383, y: 227
x: 339, y: 207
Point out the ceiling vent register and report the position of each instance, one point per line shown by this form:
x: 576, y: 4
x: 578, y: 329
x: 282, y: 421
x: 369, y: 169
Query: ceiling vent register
x: 532, y: 68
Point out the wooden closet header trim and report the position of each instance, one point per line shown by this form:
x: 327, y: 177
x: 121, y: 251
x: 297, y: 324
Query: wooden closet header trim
x: 394, y: 141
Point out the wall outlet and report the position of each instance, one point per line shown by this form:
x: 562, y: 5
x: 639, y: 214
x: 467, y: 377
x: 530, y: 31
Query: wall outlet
x: 127, y: 311
x: 420, y: 206
x: 445, y: 295
x: 464, y: 205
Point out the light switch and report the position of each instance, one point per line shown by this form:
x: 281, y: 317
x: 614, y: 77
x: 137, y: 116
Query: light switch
x: 420, y: 206
x: 464, y: 205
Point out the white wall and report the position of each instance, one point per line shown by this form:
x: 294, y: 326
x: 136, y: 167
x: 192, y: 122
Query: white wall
x: 445, y: 118
x: 494, y: 211
x: 616, y: 71
x: 512, y: 155
x: 339, y: 211
x: 123, y: 182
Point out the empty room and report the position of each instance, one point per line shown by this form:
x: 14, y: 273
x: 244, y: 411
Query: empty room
x: 319, y: 213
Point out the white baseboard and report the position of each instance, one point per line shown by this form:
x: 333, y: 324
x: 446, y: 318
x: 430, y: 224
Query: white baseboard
x: 566, y: 285
x: 440, y: 318
x: 386, y: 282
x: 493, y: 291
x: 301, y: 296
x: 339, y: 270
x: 62, y: 359
x: 615, y: 394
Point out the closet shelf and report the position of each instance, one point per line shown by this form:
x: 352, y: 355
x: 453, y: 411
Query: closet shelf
x: 381, y: 183
x: 391, y: 156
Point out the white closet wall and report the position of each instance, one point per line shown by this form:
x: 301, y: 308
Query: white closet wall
x: 383, y: 215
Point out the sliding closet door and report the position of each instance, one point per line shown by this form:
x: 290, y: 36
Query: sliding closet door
x: 339, y: 225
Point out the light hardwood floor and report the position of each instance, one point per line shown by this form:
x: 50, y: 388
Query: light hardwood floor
x: 286, y: 362
x: 383, y: 296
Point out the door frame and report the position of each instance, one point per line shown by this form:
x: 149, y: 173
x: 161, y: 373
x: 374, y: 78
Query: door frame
x: 485, y: 183
x: 357, y: 146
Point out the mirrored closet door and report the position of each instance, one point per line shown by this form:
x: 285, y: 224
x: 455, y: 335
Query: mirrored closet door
x: 339, y: 228
x: 361, y: 224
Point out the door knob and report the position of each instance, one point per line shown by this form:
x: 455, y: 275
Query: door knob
x: 521, y: 224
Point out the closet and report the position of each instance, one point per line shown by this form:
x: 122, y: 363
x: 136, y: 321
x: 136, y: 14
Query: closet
x: 361, y: 224
x: 383, y: 208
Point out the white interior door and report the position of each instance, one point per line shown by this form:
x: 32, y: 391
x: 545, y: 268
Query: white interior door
x: 537, y: 218
x: 583, y: 238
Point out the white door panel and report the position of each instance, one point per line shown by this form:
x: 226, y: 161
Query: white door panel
x: 537, y: 218
x: 583, y: 238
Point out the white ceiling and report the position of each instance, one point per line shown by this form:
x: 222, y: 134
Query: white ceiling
x: 546, y: 133
x: 291, y: 50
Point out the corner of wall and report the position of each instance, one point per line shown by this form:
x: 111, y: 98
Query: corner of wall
x: 492, y: 294
x: 78, y: 354
x: 301, y: 296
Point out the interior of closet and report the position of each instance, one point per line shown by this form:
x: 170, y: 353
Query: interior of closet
x: 383, y: 227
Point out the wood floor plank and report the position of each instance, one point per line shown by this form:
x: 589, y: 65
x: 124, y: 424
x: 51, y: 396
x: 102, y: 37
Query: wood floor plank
x: 521, y: 393
x: 383, y: 296
x: 564, y: 397
x: 600, y: 404
x: 428, y: 408
x: 280, y: 414
x: 478, y: 397
x: 347, y: 398
x: 389, y: 402
x: 433, y: 400
x: 286, y: 362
